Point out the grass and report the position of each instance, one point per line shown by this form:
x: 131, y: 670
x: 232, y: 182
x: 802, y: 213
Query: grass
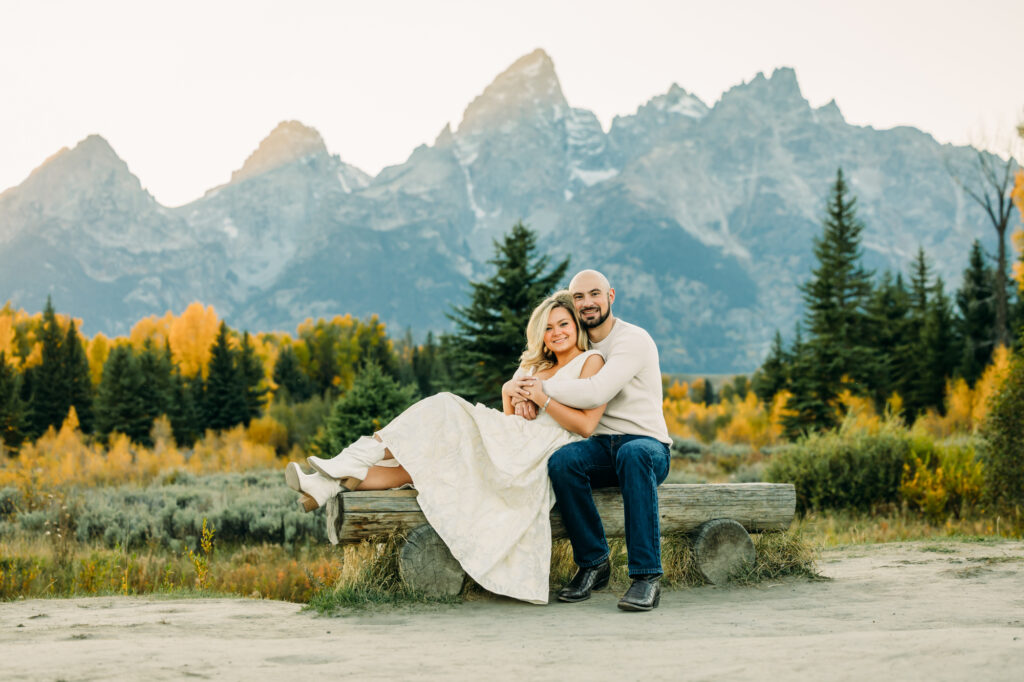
x: 38, y: 567
x: 369, y: 577
x: 841, y: 528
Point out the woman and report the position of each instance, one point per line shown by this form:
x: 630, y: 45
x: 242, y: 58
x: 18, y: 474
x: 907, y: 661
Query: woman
x: 481, y: 474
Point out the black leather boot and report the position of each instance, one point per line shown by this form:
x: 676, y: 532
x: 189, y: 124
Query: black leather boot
x: 585, y: 580
x: 643, y: 595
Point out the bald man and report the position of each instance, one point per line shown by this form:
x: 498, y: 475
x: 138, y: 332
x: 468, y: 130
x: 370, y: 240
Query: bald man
x: 629, y: 449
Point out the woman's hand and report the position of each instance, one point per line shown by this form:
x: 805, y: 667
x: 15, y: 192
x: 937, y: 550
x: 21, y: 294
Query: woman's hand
x: 530, y: 388
x: 508, y: 389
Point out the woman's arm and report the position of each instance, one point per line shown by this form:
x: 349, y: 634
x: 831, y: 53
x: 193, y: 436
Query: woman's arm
x: 582, y: 422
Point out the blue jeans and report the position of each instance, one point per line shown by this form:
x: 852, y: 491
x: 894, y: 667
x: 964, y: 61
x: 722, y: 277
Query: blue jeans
x: 637, y: 464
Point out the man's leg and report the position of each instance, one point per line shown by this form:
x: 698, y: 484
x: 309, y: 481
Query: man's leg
x: 641, y: 464
x: 574, y: 469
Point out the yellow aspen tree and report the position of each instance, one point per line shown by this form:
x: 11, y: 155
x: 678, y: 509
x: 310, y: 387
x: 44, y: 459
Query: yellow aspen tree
x: 97, y: 350
x: 191, y: 335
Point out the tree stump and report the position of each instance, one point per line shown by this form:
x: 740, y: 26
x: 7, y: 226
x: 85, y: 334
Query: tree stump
x: 721, y: 547
x: 427, y: 566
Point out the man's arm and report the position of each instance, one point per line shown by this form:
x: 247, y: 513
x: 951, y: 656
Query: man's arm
x: 624, y: 363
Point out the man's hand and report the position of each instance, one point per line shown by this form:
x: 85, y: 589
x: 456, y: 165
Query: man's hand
x: 526, y: 409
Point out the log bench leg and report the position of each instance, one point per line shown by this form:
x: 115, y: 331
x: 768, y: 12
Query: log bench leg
x: 721, y: 547
x: 426, y: 565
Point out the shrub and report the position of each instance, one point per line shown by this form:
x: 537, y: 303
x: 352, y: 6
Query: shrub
x: 253, y: 507
x: 846, y: 468
x: 1002, y: 445
x: 940, y: 480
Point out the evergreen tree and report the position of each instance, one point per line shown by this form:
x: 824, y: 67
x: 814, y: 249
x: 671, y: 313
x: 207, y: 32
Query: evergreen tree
x: 49, y: 398
x: 427, y: 366
x: 889, y: 333
x: 939, y: 346
x: 975, y: 301
x: 13, y: 420
x: 293, y: 385
x: 196, y: 388
x: 835, y: 299
x: 924, y: 375
x: 324, y: 363
x: 225, y: 387
x: 806, y: 410
x: 373, y: 401
x: 836, y: 294
x: 157, y: 370
x: 120, y: 401
x: 250, y: 370
x: 77, y: 378
x: 181, y: 410
x: 488, y: 340
x: 774, y: 373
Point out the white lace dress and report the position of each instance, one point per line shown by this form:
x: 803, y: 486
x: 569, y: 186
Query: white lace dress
x: 483, y: 485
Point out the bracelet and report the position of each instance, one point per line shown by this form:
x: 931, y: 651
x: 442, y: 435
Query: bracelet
x: 545, y: 406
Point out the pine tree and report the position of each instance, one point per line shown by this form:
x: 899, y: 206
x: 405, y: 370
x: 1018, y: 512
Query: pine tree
x: 196, y: 387
x: 774, y: 373
x: 324, y: 363
x: 120, y: 402
x: 250, y: 371
x: 157, y: 370
x: 837, y: 293
x: 939, y: 344
x: 924, y: 375
x: 806, y: 410
x: 49, y: 398
x: 293, y: 385
x: 489, y: 332
x: 888, y: 336
x: 373, y: 401
x: 225, y: 389
x: 835, y: 299
x: 975, y: 301
x: 181, y: 410
x: 78, y: 379
x: 13, y: 420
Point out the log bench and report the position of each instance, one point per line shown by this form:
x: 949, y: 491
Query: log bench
x: 718, y: 516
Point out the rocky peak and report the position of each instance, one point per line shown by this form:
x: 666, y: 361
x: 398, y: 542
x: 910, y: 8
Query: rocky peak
x: 774, y: 95
x: 90, y: 167
x: 288, y: 142
x: 527, y: 89
x: 679, y: 101
x: 829, y: 113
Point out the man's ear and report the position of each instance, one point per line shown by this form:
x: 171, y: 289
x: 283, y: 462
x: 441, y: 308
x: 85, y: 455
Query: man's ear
x: 611, y: 297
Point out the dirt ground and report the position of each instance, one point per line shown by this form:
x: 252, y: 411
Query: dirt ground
x: 929, y: 611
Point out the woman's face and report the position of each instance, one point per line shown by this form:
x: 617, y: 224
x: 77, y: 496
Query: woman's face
x: 560, y: 333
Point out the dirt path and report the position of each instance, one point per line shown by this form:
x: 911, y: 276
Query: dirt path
x: 930, y: 611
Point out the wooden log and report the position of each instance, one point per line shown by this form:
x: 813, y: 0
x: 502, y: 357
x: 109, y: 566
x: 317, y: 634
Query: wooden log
x: 427, y: 566
x: 681, y: 507
x: 721, y: 547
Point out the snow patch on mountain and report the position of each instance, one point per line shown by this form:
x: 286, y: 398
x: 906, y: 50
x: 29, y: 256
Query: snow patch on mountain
x: 592, y: 177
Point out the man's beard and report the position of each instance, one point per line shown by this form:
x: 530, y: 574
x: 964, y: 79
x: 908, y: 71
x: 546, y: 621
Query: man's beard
x: 597, y: 322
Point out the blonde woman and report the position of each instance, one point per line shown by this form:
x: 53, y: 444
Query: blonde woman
x: 481, y: 473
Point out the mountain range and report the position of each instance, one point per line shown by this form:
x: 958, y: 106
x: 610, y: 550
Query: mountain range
x: 702, y: 216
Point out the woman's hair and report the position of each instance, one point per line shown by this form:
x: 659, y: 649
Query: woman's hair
x: 537, y: 354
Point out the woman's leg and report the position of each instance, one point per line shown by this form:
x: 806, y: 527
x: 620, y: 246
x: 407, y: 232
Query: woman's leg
x: 383, y: 478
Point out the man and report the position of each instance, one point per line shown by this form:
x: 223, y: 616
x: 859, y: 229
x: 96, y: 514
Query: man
x: 629, y: 449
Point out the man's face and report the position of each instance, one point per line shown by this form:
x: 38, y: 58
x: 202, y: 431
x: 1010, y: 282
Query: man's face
x: 593, y: 301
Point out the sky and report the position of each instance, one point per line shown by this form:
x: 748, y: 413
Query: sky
x: 184, y: 91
